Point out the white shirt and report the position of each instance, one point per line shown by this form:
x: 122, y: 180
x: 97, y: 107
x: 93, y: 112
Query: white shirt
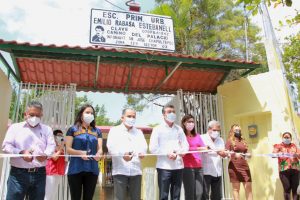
x: 212, y: 162
x: 120, y: 141
x: 166, y: 140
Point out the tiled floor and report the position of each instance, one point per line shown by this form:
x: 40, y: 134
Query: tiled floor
x: 103, y: 193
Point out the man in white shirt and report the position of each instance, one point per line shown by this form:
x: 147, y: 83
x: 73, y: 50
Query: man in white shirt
x: 169, y: 141
x: 212, y: 161
x: 127, y: 146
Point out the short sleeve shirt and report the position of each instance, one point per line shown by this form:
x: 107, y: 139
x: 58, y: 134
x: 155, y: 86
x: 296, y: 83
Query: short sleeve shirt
x: 84, y: 140
x: 285, y: 163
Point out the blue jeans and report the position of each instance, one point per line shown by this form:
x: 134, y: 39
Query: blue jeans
x: 23, y: 183
x: 169, y: 180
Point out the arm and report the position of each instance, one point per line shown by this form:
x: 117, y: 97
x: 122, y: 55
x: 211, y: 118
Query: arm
x: 8, y: 145
x: 112, y: 143
x: 222, y: 152
x: 50, y: 142
x: 153, y: 145
x: 143, y: 145
x: 56, y: 155
x: 184, y: 143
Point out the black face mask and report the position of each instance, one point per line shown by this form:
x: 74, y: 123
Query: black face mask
x: 237, y: 134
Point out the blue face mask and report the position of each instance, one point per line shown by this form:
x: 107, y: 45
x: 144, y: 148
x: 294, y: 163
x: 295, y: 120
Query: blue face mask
x: 286, y: 141
x: 171, y: 117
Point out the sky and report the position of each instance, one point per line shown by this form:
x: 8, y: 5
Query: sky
x: 63, y: 22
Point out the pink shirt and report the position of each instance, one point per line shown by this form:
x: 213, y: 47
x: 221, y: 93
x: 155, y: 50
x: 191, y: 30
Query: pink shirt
x: 56, y: 167
x: 21, y: 136
x: 193, y: 160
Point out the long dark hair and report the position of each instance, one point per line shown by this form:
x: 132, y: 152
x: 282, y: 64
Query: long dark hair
x: 78, y: 120
x: 183, y: 120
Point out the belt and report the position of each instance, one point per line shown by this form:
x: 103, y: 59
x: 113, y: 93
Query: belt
x: 30, y: 170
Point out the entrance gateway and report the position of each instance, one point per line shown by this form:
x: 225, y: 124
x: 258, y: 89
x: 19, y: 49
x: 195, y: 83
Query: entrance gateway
x: 55, y: 73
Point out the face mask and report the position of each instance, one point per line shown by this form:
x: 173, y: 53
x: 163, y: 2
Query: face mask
x: 59, y: 139
x: 88, y: 118
x: 215, y: 134
x: 190, y: 126
x: 33, y: 121
x: 286, y: 141
x: 171, y: 117
x: 237, y: 133
x: 129, y: 121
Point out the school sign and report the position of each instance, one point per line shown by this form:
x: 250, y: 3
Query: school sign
x: 132, y: 30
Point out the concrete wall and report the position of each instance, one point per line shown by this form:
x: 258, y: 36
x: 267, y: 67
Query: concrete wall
x: 5, y: 98
x: 261, y: 100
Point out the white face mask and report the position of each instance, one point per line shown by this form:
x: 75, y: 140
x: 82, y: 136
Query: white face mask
x: 215, y: 134
x: 171, y: 117
x: 59, y: 139
x: 129, y: 121
x: 190, y: 126
x: 88, y: 118
x: 33, y: 121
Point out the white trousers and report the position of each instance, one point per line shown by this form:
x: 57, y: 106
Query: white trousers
x: 52, y: 184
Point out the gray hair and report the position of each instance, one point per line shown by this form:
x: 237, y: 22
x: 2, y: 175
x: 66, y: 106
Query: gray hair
x: 35, y: 104
x: 125, y: 109
x: 213, y: 123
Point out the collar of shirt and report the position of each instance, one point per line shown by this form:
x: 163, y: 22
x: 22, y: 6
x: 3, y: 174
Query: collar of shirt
x: 167, y: 125
x: 124, y: 128
x: 25, y: 124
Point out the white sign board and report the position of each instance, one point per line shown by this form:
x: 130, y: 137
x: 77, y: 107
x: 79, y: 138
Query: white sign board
x: 132, y: 30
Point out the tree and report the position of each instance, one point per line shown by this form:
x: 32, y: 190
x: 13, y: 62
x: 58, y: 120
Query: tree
x: 213, y: 28
x: 100, y: 111
x: 291, y: 60
x: 253, y: 6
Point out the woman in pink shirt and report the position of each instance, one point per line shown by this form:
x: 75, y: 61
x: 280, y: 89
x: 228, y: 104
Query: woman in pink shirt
x: 192, y: 172
x: 55, y: 168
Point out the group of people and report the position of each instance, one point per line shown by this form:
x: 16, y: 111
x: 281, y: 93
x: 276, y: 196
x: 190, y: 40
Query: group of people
x: 176, y: 147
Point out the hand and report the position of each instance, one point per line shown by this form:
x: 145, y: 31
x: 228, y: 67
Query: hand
x: 128, y: 156
x: 27, y: 155
x: 98, y: 156
x: 141, y: 155
x: 41, y: 158
x: 172, y: 156
x: 238, y: 155
x: 84, y: 155
x: 248, y: 155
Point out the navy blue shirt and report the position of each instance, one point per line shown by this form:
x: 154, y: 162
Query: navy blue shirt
x: 84, y: 140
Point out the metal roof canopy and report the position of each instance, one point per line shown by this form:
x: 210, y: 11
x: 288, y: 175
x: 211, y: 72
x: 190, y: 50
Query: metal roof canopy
x: 106, y: 69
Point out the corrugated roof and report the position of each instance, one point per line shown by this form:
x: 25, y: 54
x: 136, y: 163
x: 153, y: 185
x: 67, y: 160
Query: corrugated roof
x: 120, y: 70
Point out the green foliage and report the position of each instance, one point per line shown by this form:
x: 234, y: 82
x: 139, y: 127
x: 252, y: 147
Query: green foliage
x: 136, y: 102
x: 100, y: 111
x: 213, y: 28
x: 153, y: 125
x: 253, y: 6
x: 291, y: 60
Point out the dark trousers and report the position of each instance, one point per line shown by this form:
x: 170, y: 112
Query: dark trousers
x: 122, y: 182
x: 212, y: 186
x: 83, y: 181
x: 22, y: 182
x: 169, y: 180
x: 193, y: 183
x: 290, y: 180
